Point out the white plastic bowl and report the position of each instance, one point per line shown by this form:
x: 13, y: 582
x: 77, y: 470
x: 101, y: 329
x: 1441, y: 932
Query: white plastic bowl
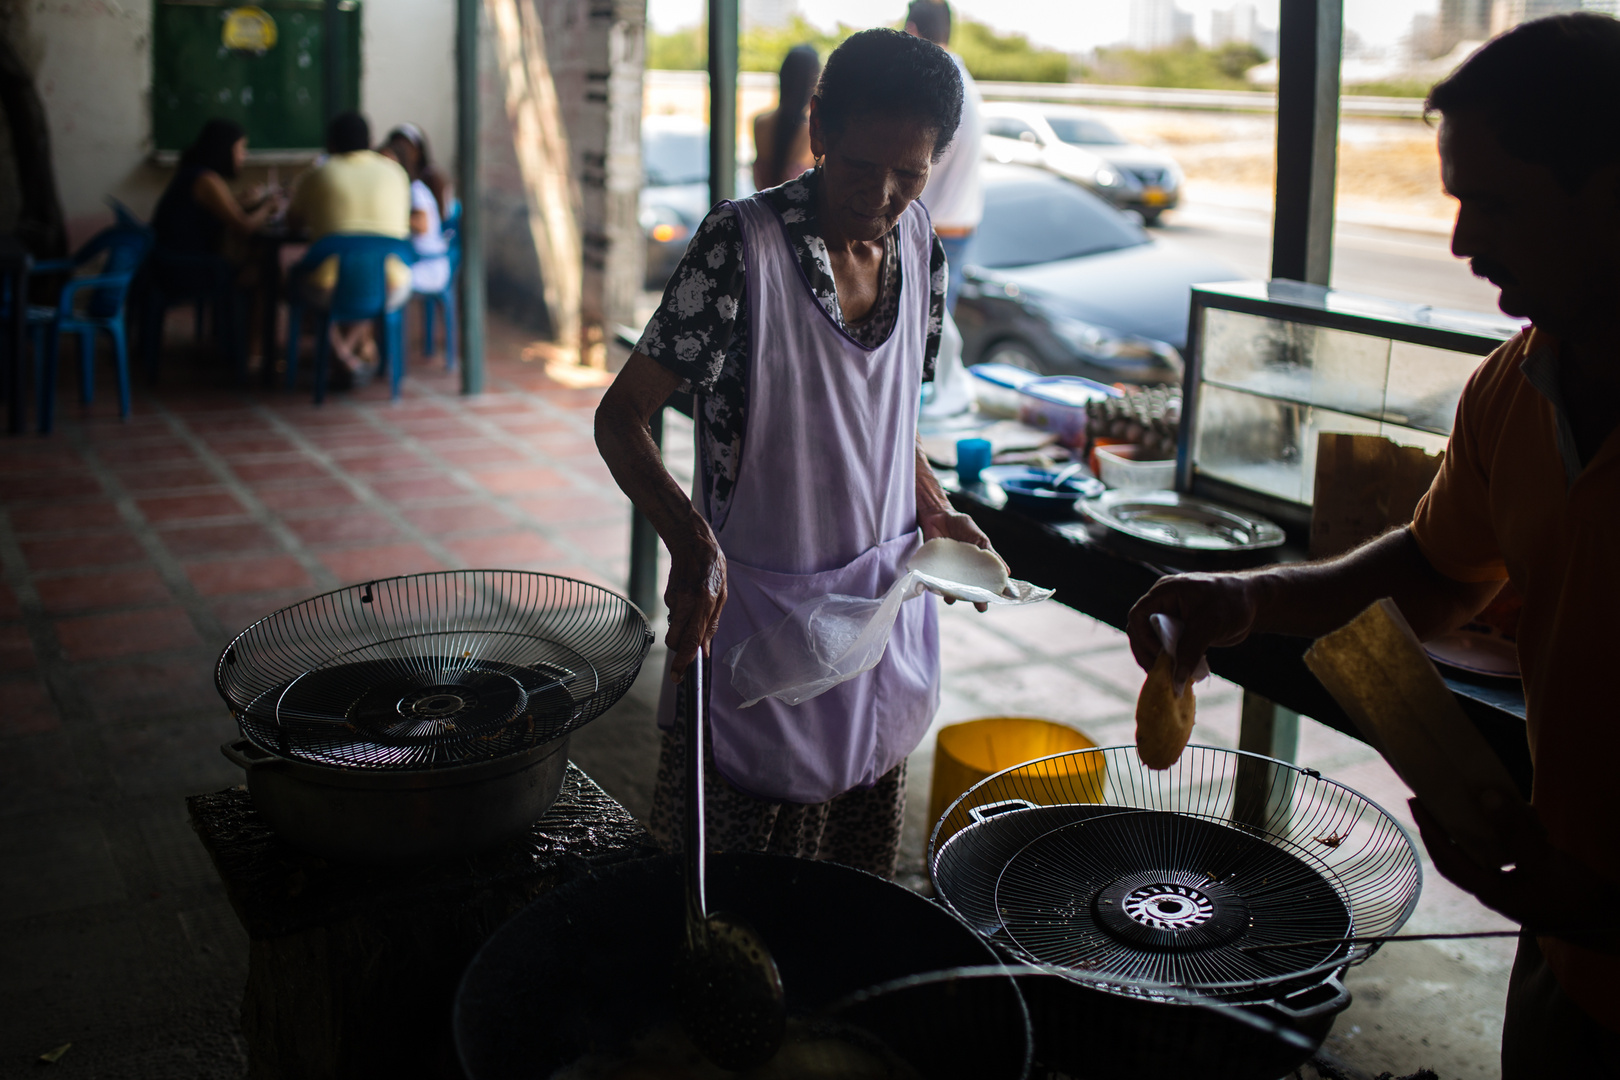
x: 1118, y: 468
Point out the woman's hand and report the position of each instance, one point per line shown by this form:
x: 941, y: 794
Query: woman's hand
x: 695, y: 596
x: 953, y: 525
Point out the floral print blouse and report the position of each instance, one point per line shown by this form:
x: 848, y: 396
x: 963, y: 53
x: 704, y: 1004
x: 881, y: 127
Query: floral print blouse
x: 700, y: 331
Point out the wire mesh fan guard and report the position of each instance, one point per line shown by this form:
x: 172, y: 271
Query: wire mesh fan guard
x: 1037, y: 827
x: 432, y: 670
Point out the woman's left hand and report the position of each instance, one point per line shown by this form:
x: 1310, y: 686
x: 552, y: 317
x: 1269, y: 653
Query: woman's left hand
x: 954, y: 525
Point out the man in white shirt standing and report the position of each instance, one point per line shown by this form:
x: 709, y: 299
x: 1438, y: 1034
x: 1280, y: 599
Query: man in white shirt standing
x: 953, y: 197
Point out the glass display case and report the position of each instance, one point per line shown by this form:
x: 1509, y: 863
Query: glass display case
x: 1270, y: 365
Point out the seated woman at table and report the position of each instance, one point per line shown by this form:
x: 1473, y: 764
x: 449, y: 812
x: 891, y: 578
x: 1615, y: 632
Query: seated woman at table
x: 430, y: 205
x: 199, y: 215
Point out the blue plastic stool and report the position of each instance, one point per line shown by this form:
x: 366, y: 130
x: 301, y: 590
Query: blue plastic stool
x: 361, y: 293
x: 446, y: 297
x: 126, y: 249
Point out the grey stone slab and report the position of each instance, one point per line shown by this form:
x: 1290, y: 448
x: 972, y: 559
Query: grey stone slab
x: 969, y: 641
x: 172, y: 756
x: 1040, y: 689
x: 55, y: 862
x: 178, y: 859
x: 1418, y: 1007
x: 1050, y: 629
x: 39, y: 772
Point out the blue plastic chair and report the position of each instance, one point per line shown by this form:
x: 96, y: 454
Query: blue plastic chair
x: 446, y: 297
x: 126, y: 249
x: 361, y: 293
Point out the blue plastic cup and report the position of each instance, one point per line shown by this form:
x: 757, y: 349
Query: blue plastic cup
x: 972, y: 458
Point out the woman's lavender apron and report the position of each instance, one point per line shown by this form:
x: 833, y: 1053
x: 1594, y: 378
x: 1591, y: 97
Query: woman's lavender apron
x: 825, y: 503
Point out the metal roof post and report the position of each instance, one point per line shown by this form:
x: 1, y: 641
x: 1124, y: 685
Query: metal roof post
x: 1309, y: 44
x: 722, y: 100
x: 472, y: 216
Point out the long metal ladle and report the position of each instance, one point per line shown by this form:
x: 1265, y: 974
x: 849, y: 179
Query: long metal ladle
x: 728, y: 991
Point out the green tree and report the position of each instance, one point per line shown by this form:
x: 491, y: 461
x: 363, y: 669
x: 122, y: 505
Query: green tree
x: 1006, y: 57
x: 686, y: 49
x: 987, y: 54
x: 763, y: 48
x: 1187, y: 65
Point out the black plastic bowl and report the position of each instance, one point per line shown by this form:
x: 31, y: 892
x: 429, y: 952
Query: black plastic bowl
x: 1032, y: 492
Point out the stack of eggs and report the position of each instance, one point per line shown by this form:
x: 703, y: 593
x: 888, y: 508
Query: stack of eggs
x: 1148, y: 417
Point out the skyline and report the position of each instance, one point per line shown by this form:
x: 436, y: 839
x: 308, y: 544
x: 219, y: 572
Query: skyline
x: 1073, y: 26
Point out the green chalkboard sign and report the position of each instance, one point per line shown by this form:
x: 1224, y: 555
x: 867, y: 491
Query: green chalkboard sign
x: 276, y: 93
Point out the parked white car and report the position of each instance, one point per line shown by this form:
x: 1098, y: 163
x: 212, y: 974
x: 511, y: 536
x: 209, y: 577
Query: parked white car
x: 1078, y: 145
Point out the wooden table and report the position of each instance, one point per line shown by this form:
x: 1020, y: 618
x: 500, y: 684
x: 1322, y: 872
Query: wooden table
x: 352, y: 970
x: 267, y: 245
x: 15, y: 262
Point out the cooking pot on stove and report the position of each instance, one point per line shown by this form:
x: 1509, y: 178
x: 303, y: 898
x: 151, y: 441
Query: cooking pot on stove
x: 590, y: 967
x: 1198, y: 915
x: 427, y: 716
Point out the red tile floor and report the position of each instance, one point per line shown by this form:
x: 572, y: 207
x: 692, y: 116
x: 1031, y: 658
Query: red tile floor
x: 147, y: 542
x: 130, y: 552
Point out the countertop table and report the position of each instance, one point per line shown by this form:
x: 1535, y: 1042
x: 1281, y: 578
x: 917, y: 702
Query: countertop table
x: 15, y: 262
x: 1090, y: 577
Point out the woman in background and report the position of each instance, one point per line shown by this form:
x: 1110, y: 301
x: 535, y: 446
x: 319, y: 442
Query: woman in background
x: 200, y: 217
x: 782, y: 135
x: 198, y: 209
x: 430, y: 205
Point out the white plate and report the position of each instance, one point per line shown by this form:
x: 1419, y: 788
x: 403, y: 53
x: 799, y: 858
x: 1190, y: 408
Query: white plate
x: 1472, y: 651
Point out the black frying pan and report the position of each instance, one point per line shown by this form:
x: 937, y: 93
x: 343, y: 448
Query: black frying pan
x: 589, y: 966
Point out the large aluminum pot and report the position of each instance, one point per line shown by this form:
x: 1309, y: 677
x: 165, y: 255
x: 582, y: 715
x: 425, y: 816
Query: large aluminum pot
x: 590, y: 966
x: 401, y: 816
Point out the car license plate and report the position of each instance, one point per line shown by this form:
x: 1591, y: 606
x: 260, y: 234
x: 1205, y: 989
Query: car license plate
x: 1154, y: 196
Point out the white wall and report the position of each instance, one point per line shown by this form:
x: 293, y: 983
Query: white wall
x: 93, y: 68
x: 409, y: 70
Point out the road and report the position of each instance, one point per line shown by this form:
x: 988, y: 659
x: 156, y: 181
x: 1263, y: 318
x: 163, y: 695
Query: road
x: 1416, y: 267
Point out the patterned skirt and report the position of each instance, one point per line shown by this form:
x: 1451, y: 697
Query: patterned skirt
x: 860, y: 828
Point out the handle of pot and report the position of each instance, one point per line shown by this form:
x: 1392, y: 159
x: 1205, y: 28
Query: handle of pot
x: 1337, y: 1000
x: 245, y: 755
x: 981, y: 814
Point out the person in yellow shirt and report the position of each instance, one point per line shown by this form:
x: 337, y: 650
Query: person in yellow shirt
x: 1529, y: 492
x: 355, y: 190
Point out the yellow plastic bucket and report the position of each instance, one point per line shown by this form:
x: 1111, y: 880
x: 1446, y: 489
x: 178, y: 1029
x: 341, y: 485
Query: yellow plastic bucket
x: 968, y: 752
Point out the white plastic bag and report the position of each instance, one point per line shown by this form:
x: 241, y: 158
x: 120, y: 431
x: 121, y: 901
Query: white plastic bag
x: 831, y: 639
x: 1168, y: 630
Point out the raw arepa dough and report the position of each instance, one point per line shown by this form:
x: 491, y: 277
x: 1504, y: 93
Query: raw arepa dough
x: 1164, y: 722
x: 954, y: 560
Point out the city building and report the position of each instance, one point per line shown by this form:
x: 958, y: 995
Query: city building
x: 1240, y: 24
x: 1158, y: 24
x: 768, y: 13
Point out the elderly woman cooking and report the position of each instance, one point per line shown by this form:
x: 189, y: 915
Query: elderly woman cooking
x: 805, y: 319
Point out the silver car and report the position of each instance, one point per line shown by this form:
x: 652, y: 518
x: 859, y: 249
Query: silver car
x: 1078, y: 145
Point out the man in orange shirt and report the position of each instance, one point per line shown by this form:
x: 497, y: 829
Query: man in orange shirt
x: 1529, y: 492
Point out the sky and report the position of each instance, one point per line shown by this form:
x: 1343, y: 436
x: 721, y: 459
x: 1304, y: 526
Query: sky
x: 1067, y: 25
